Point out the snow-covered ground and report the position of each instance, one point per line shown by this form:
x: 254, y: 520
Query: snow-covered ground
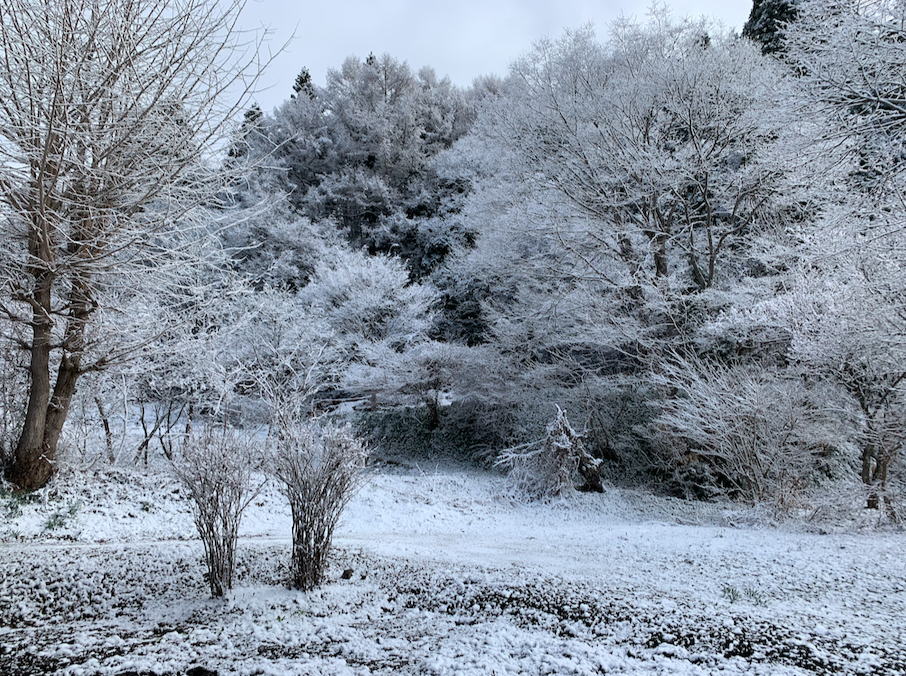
x: 103, y: 575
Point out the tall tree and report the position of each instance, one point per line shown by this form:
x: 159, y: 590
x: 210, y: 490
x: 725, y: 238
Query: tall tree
x: 652, y: 158
x: 852, y: 60
x: 108, y: 111
x: 359, y: 152
x: 303, y: 84
x: 766, y: 22
x: 639, y: 187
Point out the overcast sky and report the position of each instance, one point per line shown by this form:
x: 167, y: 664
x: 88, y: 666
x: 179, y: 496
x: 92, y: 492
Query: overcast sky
x: 461, y: 39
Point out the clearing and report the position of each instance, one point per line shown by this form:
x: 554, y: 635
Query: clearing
x: 103, y: 575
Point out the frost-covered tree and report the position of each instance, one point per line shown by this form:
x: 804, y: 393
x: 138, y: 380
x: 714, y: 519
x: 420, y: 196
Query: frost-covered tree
x: 368, y: 299
x: 638, y: 187
x: 109, y: 110
x: 189, y: 370
x: 357, y: 152
x: 847, y: 311
x: 841, y: 320
x: 549, y: 468
x: 656, y: 150
x: 378, y: 319
x: 852, y: 60
x: 303, y: 84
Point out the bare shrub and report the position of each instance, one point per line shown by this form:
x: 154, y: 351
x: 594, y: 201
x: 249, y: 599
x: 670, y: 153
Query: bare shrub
x: 743, y: 431
x: 549, y: 468
x: 320, y: 467
x: 218, y: 468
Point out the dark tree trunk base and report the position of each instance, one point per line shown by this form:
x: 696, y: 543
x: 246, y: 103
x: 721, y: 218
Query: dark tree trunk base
x: 31, y: 470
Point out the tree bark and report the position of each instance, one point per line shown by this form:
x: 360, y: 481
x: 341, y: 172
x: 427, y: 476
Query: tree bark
x: 868, y: 461
x: 108, y: 433
x: 32, y: 462
x: 46, y: 414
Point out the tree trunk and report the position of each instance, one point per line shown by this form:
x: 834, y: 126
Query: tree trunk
x: 36, y: 451
x: 869, y: 473
x: 63, y: 391
x: 32, y: 462
x: 660, y: 257
x: 108, y: 433
x: 659, y: 241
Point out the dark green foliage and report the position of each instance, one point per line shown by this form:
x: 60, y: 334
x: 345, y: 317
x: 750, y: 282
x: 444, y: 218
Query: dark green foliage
x: 766, y: 22
x: 281, y: 256
x: 461, y: 317
x: 424, y: 243
x: 251, y: 122
x: 303, y: 84
x: 471, y: 430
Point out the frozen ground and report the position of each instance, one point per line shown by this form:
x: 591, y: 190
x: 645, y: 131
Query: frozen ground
x: 104, y: 576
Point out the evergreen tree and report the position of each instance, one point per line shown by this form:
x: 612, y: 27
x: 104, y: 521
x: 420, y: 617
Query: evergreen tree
x: 303, y: 83
x: 359, y: 152
x: 251, y: 120
x: 766, y: 22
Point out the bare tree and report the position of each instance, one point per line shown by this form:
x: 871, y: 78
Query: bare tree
x: 658, y: 148
x: 108, y: 111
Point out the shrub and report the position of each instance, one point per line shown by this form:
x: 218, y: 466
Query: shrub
x: 61, y: 517
x: 742, y: 431
x: 319, y: 468
x: 549, y: 468
x: 218, y: 468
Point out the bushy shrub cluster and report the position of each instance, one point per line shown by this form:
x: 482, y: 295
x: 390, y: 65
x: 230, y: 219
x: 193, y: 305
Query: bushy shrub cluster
x: 319, y: 467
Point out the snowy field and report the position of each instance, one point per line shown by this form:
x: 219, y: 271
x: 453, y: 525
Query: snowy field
x: 436, y: 571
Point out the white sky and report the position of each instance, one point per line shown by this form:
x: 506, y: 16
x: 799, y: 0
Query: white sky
x: 461, y: 39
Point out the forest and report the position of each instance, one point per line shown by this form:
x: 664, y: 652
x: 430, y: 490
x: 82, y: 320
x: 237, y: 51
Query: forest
x: 688, y: 240
x: 658, y: 259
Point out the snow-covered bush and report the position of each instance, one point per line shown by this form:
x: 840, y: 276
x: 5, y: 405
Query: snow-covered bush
x: 548, y: 469
x: 368, y: 299
x: 218, y: 467
x: 743, y: 431
x: 319, y: 467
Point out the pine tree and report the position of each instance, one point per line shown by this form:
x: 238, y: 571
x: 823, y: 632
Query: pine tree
x: 303, y: 83
x: 250, y: 122
x: 766, y: 22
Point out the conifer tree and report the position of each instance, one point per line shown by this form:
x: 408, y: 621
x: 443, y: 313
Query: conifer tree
x: 304, y: 84
x: 766, y: 22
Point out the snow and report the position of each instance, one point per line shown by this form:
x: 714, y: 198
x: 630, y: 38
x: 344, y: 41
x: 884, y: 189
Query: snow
x: 450, y: 576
